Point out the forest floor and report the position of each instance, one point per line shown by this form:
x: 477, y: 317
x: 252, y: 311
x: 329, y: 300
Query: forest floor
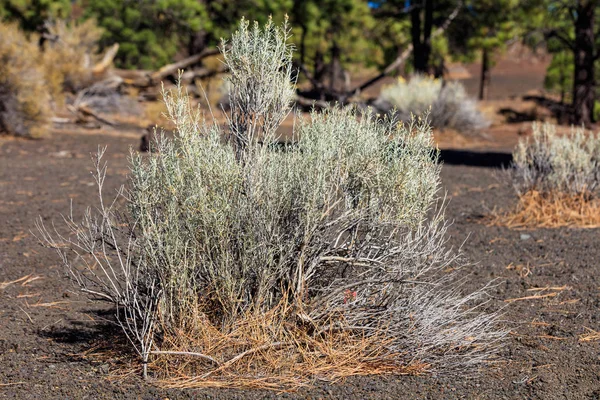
x: 51, y: 337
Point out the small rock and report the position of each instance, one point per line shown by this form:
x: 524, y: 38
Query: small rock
x: 61, y: 154
x: 525, y: 236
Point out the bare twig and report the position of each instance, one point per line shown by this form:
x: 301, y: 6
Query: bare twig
x: 187, y: 353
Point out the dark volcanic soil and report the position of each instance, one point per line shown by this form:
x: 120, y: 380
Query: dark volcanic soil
x: 46, y: 327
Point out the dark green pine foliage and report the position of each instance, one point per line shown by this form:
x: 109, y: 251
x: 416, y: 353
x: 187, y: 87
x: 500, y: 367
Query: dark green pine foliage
x: 31, y: 14
x: 150, y: 32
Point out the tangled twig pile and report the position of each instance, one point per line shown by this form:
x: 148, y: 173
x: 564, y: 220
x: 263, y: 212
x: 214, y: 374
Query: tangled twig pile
x: 239, y: 262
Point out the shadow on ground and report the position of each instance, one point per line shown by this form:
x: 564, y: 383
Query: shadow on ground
x: 476, y: 158
x: 102, y: 334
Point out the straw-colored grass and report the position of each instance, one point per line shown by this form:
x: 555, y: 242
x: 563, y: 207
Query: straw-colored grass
x: 275, y: 350
x: 554, y: 210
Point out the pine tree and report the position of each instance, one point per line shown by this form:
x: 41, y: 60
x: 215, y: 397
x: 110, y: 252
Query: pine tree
x: 570, y: 31
x: 150, y: 32
x: 331, y: 35
x: 484, y: 29
x: 31, y: 14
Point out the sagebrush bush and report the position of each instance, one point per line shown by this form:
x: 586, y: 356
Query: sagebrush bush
x: 447, y: 105
x: 25, y: 102
x: 549, y: 163
x: 268, y: 264
x: 69, y: 55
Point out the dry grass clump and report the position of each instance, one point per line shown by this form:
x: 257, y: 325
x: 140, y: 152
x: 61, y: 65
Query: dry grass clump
x: 553, y: 210
x: 25, y: 102
x: 238, y: 262
x: 69, y: 55
x: 32, y: 81
x: 446, y: 104
x: 557, y: 180
x: 272, y: 350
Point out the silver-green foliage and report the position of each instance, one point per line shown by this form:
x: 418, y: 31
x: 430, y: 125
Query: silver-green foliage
x: 547, y: 162
x: 250, y: 229
x: 447, y: 105
x: 226, y: 222
x: 260, y: 65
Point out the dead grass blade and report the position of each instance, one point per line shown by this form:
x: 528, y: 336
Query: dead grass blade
x: 26, y: 313
x: 539, y: 323
x: 534, y: 297
x: 553, y: 288
x: 30, y: 279
x: 590, y: 336
x: 28, y: 295
x: 12, y: 384
x: 551, y: 337
x: 49, y: 304
x: 188, y: 353
x: 4, y: 285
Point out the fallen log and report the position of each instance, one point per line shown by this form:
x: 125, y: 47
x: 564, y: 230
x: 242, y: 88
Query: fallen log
x: 143, y: 79
x: 61, y: 120
x: 83, y: 113
x: 171, y: 69
x: 104, y: 64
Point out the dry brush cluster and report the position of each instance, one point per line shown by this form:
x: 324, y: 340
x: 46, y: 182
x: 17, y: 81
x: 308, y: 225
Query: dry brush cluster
x: 33, y: 80
x: 557, y: 179
x: 447, y: 103
x: 25, y: 101
x: 239, y: 261
x: 69, y: 55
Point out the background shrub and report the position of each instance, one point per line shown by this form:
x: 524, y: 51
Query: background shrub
x: 321, y: 243
x: 448, y: 104
x: 549, y: 163
x: 25, y: 102
x: 69, y: 55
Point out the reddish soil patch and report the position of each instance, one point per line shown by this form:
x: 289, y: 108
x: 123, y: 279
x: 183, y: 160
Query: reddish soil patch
x: 48, y: 332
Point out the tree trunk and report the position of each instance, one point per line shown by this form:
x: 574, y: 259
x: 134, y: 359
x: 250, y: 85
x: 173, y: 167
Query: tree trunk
x: 334, y: 66
x: 427, y: 28
x: 303, y: 44
x: 485, y: 74
x: 421, y: 40
x: 415, y: 33
x: 561, y: 81
x: 319, y: 72
x: 198, y: 42
x: 584, y: 54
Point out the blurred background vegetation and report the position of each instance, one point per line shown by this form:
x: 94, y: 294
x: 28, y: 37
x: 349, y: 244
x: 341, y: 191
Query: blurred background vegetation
x: 337, y: 39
